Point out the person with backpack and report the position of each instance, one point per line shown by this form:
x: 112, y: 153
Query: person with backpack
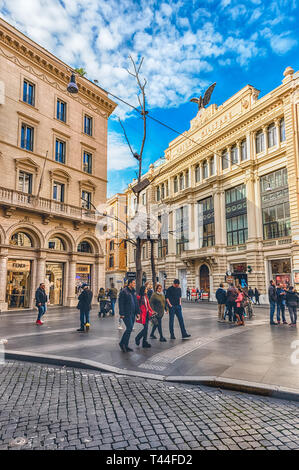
x: 221, y: 299
x: 84, y: 306
x: 292, y: 300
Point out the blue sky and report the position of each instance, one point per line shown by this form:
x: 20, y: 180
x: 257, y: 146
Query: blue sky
x: 186, y: 45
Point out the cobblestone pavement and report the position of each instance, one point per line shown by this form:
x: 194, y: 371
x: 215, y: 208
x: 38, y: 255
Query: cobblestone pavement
x: 45, y: 407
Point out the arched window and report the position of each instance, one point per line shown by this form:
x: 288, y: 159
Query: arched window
x: 56, y: 244
x: 21, y: 239
x: 84, y: 247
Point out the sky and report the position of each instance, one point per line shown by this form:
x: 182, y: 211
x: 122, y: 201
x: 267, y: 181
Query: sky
x: 186, y: 44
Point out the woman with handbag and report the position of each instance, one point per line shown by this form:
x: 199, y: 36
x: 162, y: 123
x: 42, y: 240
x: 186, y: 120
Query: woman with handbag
x: 145, y: 314
x: 157, y: 302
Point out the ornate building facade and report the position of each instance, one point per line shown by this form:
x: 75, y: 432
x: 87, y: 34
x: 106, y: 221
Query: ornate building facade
x: 230, y: 188
x: 116, y: 244
x: 53, y: 150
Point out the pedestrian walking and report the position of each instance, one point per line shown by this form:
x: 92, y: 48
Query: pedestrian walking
x: 251, y: 293
x: 231, y: 296
x: 292, y: 300
x: 149, y: 287
x: 281, y: 304
x: 84, y: 305
x: 257, y: 296
x: 240, y: 307
x: 112, y: 294
x: 101, y: 300
x: 174, y: 301
x: 188, y: 294
x: 41, y: 300
x: 272, y: 299
x: 157, y: 303
x: 128, y: 312
x: 145, y: 314
x: 221, y: 299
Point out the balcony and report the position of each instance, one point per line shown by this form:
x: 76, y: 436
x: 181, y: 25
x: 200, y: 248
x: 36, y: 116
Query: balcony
x: 47, y: 208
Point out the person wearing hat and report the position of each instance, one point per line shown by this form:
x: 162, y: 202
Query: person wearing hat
x: 84, y: 306
x: 174, y: 302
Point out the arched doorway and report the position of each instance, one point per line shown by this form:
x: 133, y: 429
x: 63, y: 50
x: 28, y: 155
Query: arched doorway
x: 204, y: 278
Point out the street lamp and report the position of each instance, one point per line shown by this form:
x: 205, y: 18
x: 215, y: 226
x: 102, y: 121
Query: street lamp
x: 72, y: 86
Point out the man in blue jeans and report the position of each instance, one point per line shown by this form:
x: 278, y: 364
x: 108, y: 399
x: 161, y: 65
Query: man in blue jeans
x: 128, y: 312
x: 174, y: 302
x: 41, y: 300
x: 272, y: 299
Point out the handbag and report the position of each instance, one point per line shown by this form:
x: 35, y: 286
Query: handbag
x: 154, y: 318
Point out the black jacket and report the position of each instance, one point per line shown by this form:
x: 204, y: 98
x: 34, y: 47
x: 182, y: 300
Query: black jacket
x: 292, y: 298
x: 127, y: 302
x: 221, y: 296
x: 40, y: 296
x: 85, y: 299
x: 272, y: 293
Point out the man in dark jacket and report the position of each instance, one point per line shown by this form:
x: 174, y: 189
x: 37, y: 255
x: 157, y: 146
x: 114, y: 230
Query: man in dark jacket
x: 231, y: 296
x: 221, y: 299
x: 272, y: 299
x: 292, y: 300
x: 41, y: 300
x: 128, y: 311
x: 281, y: 301
x: 84, y: 306
x: 112, y: 294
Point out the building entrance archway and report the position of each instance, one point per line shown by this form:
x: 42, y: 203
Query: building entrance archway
x: 204, y: 278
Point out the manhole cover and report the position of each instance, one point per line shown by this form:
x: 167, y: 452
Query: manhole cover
x: 18, y: 441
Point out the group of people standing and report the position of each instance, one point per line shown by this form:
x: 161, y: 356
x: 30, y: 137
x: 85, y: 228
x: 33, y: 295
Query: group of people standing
x: 232, y: 303
x: 149, y: 306
x: 280, y: 298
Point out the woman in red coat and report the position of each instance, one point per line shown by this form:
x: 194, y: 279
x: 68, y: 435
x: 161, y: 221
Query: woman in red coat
x: 145, y: 313
x: 240, y: 308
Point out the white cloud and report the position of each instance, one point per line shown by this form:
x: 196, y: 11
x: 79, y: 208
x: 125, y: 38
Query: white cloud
x: 119, y: 155
x: 282, y: 44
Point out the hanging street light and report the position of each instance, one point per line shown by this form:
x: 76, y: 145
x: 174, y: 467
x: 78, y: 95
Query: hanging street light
x: 72, y: 86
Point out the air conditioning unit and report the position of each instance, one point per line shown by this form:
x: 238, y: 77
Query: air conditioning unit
x: 2, y: 92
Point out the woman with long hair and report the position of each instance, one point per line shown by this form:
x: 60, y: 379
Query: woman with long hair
x: 157, y: 302
x: 145, y: 313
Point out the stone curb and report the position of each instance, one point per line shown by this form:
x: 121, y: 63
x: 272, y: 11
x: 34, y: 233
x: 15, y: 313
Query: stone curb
x: 255, y: 388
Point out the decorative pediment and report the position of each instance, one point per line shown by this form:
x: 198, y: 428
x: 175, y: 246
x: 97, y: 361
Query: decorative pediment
x: 26, y: 163
x: 58, y: 173
x: 87, y: 184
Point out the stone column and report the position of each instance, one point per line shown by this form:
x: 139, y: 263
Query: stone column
x: 229, y: 156
x: 238, y: 143
x: 265, y: 131
x: 219, y: 217
x: 277, y: 128
x: 40, y: 269
x: 249, y: 149
x: 251, y: 207
x: 71, y: 283
x: 253, y: 145
x: 3, y: 282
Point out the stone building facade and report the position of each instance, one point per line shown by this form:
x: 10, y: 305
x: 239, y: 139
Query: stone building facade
x: 53, y: 158
x: 230, y: 187
x: 116, y: 244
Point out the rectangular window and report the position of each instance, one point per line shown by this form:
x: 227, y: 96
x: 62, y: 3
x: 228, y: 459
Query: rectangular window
x: 197, y: 174
x: 272, y: 139
x: 237, y: 230
x: 25, y: 182
x: 27, y: 133
x: 58, y: 191
x: 282, y: 130
x: 182, y: 232
x: 87, y: 125
x: 187, y: 179
x: 28, y: 93
x: 260, y: 142
x: 205, y: 169
x: 87, y: 162
x: 234, y: 155
x: 224, y: 160
x: 61, y: 110
x: 236, y: 215
x: 212, y: 166
x: 60, y: 151
x: 206, y: 226
x: 243, y: 150
x: 111, y: 261
x: 175, y: 185
x: 86, y: 200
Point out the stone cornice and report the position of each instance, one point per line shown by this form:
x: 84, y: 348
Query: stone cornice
x: 54, y: 72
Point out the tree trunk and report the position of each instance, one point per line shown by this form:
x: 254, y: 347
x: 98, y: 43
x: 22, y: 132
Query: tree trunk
x: 153, y: 264
x: 138, y: 265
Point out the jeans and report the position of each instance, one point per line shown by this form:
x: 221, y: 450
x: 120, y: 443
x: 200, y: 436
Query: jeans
x: 176, y: 311
x: 230, y: 307
x: 41, y: 311
x: 293, y: 314
x: 221, y: 311
x: 84, y: 317
x: 113, y: 301
x: 159, y: 326
x: 143, y: 333
x: 129, y: 322
x: 280, y: 308
x: 272, y: 310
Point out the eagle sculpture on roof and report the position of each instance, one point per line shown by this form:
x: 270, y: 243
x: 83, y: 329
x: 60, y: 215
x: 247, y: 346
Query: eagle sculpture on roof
x: 203, y: 101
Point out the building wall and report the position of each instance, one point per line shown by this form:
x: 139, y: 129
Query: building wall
x: 212, y: 131
x: 36, y: 213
